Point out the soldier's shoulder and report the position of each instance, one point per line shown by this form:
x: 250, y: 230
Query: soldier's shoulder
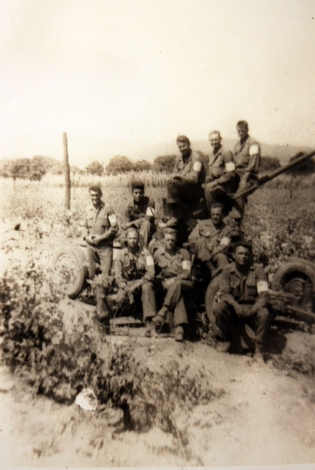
x: 196, y: 156
x: 225, y: 152
x: 159, y: 252
x: 229, y: 268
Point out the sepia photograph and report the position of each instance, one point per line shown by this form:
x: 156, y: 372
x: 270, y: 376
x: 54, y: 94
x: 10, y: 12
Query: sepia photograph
x: 157, y: 233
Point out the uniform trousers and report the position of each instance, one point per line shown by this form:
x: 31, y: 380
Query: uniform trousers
x: 174, y: 300
x: 145, y: 294
x: 226, y: 319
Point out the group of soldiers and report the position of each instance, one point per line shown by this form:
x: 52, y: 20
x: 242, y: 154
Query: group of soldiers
x: 156, y: 267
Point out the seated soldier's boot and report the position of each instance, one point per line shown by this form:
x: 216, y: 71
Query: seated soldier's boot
x: 224, y: 346
x: 179, y: 333
x: 150, y: 329
x: 259, y: 354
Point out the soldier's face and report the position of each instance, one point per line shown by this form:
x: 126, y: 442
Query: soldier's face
x: 214, y: 140
x: 132, y: 239
x: 137, y: 194
x: 242, y: 256
x: 184, y: 148
x: 95, y: 198
x: 242, y: 131
x: 170, y: 241
x: 216, y: 215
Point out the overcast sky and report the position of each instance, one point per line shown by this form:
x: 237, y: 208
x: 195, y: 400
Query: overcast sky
x: 122, y: 75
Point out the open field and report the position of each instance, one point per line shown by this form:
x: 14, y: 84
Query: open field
x: 189, y: 404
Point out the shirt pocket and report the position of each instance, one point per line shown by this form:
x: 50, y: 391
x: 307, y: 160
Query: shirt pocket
x: 104, y: 222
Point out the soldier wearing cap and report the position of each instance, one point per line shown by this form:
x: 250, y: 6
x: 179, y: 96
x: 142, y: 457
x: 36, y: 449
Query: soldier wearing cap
x: 185, y: 187
x: 209, y: 240
x: 140, y: 213
x: 242, y: 299
x: 221, y: 178
x: 246, y: 157
x: 100, y: 230
x: 174, y: 273
x: 134, y: 275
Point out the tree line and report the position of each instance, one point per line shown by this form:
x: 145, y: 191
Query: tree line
x: 35, y: 168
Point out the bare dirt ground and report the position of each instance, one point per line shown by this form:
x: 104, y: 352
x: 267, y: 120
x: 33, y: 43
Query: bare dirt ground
x: 264, y: 416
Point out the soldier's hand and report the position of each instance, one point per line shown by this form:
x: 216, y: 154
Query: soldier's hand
x: 168, y: 282
x: 88, y: 239
x: 238, y: 309
x: 96, y: 239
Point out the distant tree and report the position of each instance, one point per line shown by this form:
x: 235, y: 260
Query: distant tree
x: 24, y: 168
x: 142, y: 165
x: 269, y: 164
x: 164, y: 163
x: 119, y: 164
x: 95, y: 168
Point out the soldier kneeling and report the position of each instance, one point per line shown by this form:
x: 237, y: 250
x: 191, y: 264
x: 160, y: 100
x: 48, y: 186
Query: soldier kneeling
x: 242, y: 295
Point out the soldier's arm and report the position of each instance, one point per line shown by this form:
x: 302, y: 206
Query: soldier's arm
x: 193, y: 175
x: 225, y: 288
x: 254, y: 160
x: 229, y: 168
x: 149, y: 266
x: 194, y: 235
x: 262, y: 290
x: 118, y: 274
x: 112, y: 231
x: 185, y: 267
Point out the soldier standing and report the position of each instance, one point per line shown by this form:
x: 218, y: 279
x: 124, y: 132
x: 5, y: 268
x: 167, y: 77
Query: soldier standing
x: 134, y: 275
x: 243, y: 299
x: 246, y: 157
x: 174, y: 273
x: 140, y: 213
x: 221, y: 178
x: 100, y: 229
x: 185, y: 187
x: 209, y: 240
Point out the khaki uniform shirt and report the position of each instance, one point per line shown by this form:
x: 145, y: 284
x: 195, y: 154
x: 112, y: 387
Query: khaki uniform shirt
x: 132, y: 266
x: 176, y: 265
x: 247, y: 156
x: 213, y: 236
x: 97, y: 222
x: 135, y: 211
x: 217, y: 162
x: 242, y: 287
x: 192, y: 170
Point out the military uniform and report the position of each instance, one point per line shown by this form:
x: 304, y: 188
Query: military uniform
x: 246, y: 157
x: 136, y: 269
x: 97, y: 222
x: 188, y: 188
x: 175, y: 266
x: 143, y: 219
x: 209, y: 243
x: 221, y: 172
x: 245, y: 290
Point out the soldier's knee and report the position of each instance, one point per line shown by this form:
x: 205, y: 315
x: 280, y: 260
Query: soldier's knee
x: 147, y: 286
x: 263, y: 314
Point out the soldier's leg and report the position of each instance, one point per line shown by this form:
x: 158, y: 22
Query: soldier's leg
x: 219, y: 261
x: 146, y: 230
x: 106, y: 260
x: 92, y: 260
x: 224, y: 320
x: 262, y: 327
x: 148, y: 301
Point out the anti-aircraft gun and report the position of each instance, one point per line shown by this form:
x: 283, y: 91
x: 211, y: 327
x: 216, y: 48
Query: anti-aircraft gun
x: 294, y: 163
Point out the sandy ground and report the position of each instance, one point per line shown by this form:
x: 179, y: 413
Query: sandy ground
x: 266, y: 416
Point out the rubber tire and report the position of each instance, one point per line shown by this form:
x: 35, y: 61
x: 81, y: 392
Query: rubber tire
x: 78, y: 260
x: 297, y: 265
x: 212, y: 289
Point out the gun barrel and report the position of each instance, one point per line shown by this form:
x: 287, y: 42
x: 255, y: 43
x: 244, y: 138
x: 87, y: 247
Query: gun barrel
x: 274, y: 174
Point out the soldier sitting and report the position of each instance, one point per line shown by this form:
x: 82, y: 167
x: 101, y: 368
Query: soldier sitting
x: 221, y: 179
x: 174, y: 274
x: 209, y: 240
x: 242, y: 299
x: 185, y: 186
x: 140, y: 213
x: 134, y: 275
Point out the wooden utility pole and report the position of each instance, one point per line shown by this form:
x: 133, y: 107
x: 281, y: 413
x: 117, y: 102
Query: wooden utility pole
x: 67, y: 172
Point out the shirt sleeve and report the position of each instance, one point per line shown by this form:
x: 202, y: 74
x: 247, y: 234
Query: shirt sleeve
x: 254, y: 158
x: 118, y: 273
x: 193, y: 175
x: 149, y: 267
